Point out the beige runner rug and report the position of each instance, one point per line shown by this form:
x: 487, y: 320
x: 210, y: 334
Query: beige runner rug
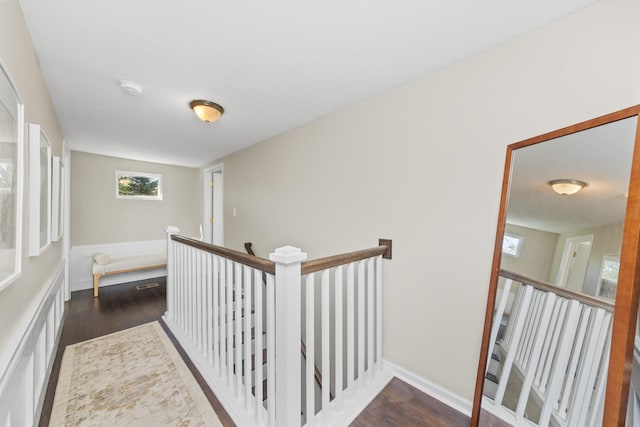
x: 133, y: 377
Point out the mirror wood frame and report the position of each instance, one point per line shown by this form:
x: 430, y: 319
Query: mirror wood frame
x: 628, y: 292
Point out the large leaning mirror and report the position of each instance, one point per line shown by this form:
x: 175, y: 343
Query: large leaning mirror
x: 561, y: 312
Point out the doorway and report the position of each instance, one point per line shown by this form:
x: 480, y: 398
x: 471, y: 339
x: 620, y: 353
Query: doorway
x: 213, y: 220
x: 574, y: 263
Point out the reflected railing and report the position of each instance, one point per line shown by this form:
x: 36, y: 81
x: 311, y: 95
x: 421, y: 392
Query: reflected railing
x: 549, y: 354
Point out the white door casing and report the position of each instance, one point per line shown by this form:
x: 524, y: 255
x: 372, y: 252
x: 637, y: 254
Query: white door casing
x: 213, y: 215
x: 574, y: 263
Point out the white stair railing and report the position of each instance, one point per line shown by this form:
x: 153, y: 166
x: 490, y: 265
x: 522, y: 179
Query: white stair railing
x: 553, y: 359
x: 244, y: 336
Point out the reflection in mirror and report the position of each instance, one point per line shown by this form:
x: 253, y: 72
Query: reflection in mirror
x: 549, y: 343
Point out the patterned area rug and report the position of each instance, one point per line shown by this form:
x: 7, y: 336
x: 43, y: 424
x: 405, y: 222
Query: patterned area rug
x: 133, y: 377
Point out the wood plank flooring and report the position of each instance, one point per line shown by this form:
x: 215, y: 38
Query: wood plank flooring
x: 123, y: 306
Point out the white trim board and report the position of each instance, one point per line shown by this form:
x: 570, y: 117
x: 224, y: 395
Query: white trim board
x: 81, y: 260
x: 445, y: 396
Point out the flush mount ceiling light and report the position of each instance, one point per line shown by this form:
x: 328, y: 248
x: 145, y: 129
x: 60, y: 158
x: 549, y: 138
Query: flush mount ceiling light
x: 206, y: 111
x: 567, y: 186
x: 132, y: 88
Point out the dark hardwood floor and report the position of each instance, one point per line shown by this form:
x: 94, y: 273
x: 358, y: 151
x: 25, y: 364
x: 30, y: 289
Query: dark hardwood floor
x: 119, y: 307
x: 123, y: 306
x: 400, y: 404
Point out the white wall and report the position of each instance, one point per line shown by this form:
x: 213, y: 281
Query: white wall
x: 19, y: 59
x: 422, y: 165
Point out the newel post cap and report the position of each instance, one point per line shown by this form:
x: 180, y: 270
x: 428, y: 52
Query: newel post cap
x: 287, y: 255
x: 172, y: 229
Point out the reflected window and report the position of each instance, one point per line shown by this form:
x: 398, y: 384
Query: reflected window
x: 609, y: 276
x: 512, y: 244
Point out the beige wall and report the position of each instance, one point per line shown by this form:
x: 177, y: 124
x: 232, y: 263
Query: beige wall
x: 98, y: 217
x: 536, y: 255
x: 422, y: 165
x: 18, y: 58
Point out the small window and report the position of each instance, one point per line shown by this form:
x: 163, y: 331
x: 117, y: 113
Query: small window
x: 138, y: 185
x: 609, y: 276
x: 512, y: 244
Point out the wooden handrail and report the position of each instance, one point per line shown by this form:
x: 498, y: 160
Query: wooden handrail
x: 250, y: 260
x: 563, y: 292
x: 336, y: 260
x: 269, y: 266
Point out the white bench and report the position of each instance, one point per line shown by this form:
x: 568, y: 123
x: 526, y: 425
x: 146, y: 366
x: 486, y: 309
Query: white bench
x: 105, y: 266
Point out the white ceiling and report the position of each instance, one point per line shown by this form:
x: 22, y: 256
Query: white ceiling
x: 600, y: 156
x: 273, y: 65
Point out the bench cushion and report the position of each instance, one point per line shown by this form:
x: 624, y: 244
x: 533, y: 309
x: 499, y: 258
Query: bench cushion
x: 126, y: 263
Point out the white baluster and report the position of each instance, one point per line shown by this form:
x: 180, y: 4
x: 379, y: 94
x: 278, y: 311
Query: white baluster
x: 587, y: 374
x: 171, y: 265
x: 497, y: 317
x: 258, y: 288
x: 598, y: 399
x: 310, y: 344
x: 216, y: 312
x: 181, y: 288
x: 534, y: 320
x: 177, y: 284
x: 370, y: 320
x: 561, y: 361
x: 520, y: 343
x: 247, y: 335
x: 288, y: 319
x: 209, y: 306
x: 515, y: 312
x: 339, y: 327
x: 350, y: 325
x: 534, y: 357
x: 224, y: 344
x: 361, y: 324
x: 190, y: 289
x: 238, y: 327
x: 517, y: 334
x: 203, y: 303
x: 573, y: 363
x: 379, y: 311
x: 326, y: 346
x: 271, y: 350
x: 199, y: 298
x: 549, y: 351
x: 229, y: 325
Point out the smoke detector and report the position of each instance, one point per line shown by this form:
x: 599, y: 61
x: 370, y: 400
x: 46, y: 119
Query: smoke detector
x: 132, y: 88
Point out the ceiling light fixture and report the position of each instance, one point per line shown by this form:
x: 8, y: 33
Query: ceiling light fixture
x: 206, y: 111
x: 132, y: 88
x: 567, y: 186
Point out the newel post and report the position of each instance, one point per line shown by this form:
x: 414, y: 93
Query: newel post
x: 288, y: 332
x: 171, y: 310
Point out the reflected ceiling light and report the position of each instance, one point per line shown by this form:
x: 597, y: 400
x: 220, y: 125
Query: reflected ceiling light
x: 206, y: 111
x: 567, y: 186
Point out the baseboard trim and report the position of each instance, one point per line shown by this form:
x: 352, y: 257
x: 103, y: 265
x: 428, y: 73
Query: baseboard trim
x: 447, y: 397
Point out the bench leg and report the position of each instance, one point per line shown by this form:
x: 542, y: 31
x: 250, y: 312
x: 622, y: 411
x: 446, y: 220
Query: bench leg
x: 96, y: 278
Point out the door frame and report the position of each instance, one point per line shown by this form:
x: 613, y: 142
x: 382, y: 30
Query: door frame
x: 207, y: 213
x: 566, y: 263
